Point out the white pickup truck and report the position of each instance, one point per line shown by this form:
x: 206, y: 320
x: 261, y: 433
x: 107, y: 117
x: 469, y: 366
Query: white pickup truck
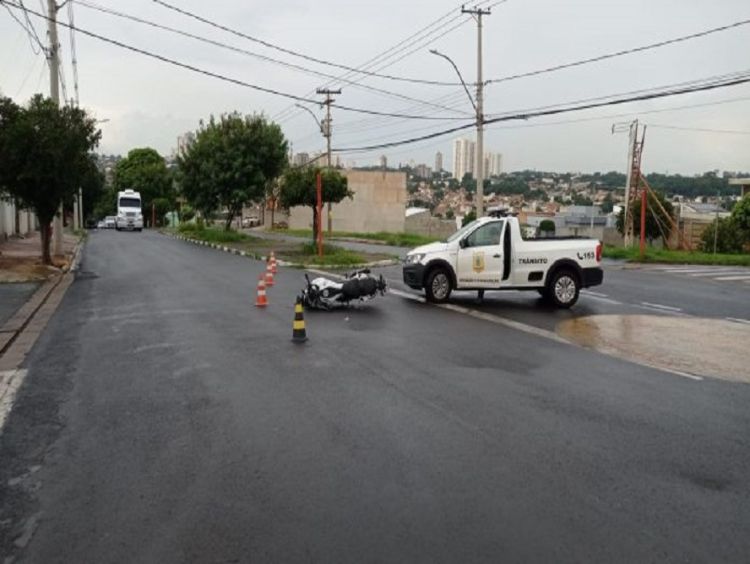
x: 491, y: 254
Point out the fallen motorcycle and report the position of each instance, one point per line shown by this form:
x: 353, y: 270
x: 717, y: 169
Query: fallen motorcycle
x: 323, y: 293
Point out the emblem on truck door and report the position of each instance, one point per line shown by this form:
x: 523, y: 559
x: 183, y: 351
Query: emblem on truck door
x: 478, y: 261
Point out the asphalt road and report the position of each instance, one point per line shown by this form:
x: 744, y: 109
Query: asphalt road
x: 164, y: 419
x: 13, y: 296
x: 626, y: 290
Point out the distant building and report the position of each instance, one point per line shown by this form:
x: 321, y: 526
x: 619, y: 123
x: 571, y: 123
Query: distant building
x: 423, y: 171
x: 383, y: 161
x: 493, y: 164
x: 300, y: 159
x: 743, y: 183
x: 463, y: 157
x: 438, y: 162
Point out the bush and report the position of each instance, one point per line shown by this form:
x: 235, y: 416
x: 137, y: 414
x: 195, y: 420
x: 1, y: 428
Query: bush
x: 730, y: 237
x: 469, y: 217
x: 187, y: 213
x: 547, y: 226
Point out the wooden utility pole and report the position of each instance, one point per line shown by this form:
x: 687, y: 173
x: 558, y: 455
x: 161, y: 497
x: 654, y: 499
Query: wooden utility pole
x: 326, y: 129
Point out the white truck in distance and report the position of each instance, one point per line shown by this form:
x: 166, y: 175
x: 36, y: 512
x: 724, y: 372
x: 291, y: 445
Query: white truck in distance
x: 491, y: 254
x: 129, y: 214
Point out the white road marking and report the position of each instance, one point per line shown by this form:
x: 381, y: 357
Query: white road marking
x: 722, y: 273
x: 601, y: 299
x: 660, y: 306
x: 10, y: 381
x: 738, y: 320
x: 732, y: 278
x: 592, y: 293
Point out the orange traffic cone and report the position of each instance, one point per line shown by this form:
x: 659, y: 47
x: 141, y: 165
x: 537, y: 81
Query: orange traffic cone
x: 273, y: 264
x: 261, y: 300
x: 269, y: 275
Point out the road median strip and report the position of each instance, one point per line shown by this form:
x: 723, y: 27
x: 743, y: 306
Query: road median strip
x: 264, y: 258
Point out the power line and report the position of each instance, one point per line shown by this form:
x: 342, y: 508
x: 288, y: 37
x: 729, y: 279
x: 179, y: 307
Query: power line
x: 621, y: 52
x: 554, y: 111
x: 260, y: 56
x: 296, y: 53
x: 383, y: 59
x: 30, y: 32
x: 224, y: 77
x: 702, y: 129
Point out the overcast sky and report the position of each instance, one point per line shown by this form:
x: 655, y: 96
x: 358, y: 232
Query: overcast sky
x: 149, y: 103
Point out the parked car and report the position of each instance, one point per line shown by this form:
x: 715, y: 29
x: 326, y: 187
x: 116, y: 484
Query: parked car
x: 490, y: 253
x: 110, y: 222
x: 250, y: 222
x: 101, y: 225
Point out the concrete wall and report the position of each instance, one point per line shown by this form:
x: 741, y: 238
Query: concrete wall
x: 378, y: 204
x: 27, y: 220
x: 426, y: 224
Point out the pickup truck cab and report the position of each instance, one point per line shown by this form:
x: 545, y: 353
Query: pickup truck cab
x: 490, y: 253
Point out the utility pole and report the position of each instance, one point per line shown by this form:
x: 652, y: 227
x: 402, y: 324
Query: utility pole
x: 478, y: 13
x: 53, y: 57
x: 326, y: 128
x: 716, y: 221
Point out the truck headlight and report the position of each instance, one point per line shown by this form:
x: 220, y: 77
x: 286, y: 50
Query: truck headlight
x: 415, y: 258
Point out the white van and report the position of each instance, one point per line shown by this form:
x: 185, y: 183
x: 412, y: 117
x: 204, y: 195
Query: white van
x: 129, y: 214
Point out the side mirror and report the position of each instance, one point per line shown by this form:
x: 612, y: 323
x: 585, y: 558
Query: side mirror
x: 462, y: 243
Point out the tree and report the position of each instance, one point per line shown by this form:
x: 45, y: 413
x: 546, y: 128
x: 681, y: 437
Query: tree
x: 741, y: 216
x: 547, y: 226
x: 449, y: 214
x: 45, y: 157
x: 654, y: 228
x: 145, y: 171
x: 469, y: 217
x: 231, y: 163
x: 298, y: 188
x: 729, y: 239
x: 92, y: 187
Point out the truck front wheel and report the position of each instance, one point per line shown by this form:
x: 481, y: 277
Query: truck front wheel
x: 438, y: 286
x: 564, y: 288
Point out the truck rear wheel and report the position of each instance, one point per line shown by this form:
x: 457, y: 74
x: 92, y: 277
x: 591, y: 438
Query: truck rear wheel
x: 564, y: 288
x: 438, y: 286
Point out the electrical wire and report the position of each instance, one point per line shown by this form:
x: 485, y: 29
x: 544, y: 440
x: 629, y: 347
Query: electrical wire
x: 296, y: 53
x: 620, y: 53
x: 30, y: 32
x: 554, y: 111
x: 701, y: 129
x: 259, y: 56
x: 225, y: 78
x: 398, y: 49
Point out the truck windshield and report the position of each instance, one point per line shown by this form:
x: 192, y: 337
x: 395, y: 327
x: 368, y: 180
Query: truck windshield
x: 463, y: 231
x: 130, y: 203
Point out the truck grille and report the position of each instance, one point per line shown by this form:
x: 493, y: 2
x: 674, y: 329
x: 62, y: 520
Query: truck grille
x: 129, y: 214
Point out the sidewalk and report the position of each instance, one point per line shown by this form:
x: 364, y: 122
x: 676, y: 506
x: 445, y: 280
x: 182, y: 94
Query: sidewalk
x: 21, y: 259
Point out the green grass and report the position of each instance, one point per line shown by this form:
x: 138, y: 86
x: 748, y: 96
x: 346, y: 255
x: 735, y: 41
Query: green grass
x: 332, y: 256
x: 393, y: 239
x: 676, y: 257
x: 211, y: 234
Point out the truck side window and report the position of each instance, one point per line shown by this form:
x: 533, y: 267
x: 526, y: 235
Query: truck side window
x: 486, y: 235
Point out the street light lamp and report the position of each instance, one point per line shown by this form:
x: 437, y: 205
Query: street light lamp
x: 309, y: 111
x: 478, y: 109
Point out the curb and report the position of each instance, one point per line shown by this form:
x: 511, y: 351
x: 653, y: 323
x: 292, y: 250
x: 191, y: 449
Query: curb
x: 12, y: 329
x: 238, y: 252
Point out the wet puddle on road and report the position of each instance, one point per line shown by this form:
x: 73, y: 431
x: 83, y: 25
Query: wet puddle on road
x: 697, y: 346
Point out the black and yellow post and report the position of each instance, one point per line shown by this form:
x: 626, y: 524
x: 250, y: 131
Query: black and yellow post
x: 299, y: 335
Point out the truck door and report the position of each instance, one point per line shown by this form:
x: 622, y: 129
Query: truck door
x: 480, y: 257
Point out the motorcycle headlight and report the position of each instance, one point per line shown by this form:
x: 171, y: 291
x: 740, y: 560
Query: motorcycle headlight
x: 415, y: 258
